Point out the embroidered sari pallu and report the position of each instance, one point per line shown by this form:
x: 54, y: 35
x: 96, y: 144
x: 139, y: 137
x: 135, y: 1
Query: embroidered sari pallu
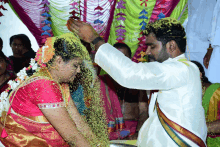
x: 211, y: 105
x: 25, y: 124
x: 170, y: 126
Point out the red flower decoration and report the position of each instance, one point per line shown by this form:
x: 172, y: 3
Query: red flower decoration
x: 120, y: 41
x: 98, y: 8
x: 1, y: 7
x: 144, y: 2
x: 73, y: 12
x: 1, y: 14
x: 5, y: 1
x: 74, y: 4
x: 75, y: 17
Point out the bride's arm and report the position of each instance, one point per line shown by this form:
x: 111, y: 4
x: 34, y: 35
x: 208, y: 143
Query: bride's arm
x: 62, y: 122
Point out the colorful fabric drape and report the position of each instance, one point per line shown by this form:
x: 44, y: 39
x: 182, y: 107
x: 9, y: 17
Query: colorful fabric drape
x: 2, y: 7
x: 163, y: 6
x: 211, y: 105
x: 171, y: 8
x: 117, y: 128
x: 105, y: 15
x: 30, y: 14
x: 162, y: 9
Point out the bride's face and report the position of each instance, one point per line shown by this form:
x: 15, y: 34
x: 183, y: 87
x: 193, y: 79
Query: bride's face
x: 67, y: 70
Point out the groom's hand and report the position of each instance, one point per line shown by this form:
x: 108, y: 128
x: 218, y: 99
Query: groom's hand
x: 82, y: 29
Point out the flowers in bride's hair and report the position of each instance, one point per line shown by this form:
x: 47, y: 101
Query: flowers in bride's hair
x: 22, y: 74
x: 48, y: 51
x: 33, y: 64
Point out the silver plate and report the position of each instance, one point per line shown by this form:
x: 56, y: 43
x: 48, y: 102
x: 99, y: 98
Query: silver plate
x: 121, y: 145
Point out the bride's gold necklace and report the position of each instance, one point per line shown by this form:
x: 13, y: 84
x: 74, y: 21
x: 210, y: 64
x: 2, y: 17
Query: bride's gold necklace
x: 49, y: 73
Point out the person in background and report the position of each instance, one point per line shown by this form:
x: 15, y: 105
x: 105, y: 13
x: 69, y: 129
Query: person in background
x: 4, y: 74
x: 122, y: 104
x: 211, y: 59
x: 22, y: 51
x: 1, y: 44
x: 133, y: 101
x: 9, y: 67
x: 210, y: 103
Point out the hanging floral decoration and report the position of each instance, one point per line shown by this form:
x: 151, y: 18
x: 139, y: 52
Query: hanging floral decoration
x: 2, y: 7
x: 120, y: 17
x: 74, y: 13
x: 98, y: 22
x: 143, y: 16
x: 46, y: 24
x: 161, y: 15
x: 140, y: 52
x: 161, y: 10
x: 144, y: 2
x: 162, y: 4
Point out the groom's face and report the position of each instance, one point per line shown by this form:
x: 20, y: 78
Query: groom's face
x: 156, y: 51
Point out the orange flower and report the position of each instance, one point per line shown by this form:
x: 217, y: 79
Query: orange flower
x: 48, y: 50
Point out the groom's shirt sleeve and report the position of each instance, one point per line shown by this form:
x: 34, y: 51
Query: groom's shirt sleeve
x: 146, y: 76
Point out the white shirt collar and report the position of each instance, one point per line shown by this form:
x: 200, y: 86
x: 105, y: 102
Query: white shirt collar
x: 182, y: 56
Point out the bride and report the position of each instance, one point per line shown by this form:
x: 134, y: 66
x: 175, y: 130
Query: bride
x: 37, y: 108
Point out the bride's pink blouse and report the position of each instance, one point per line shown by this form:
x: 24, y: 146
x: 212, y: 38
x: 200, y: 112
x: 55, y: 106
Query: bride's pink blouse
x: 28, y: 97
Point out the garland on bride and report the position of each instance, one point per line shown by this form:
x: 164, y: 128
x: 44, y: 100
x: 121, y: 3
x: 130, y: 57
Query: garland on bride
x: 41, y: 58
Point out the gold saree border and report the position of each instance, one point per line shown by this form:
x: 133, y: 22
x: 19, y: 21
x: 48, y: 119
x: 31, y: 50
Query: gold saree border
x: 212, y: 113
x: 39, y: 119
x: 19, y: 136
x: 181, y: 129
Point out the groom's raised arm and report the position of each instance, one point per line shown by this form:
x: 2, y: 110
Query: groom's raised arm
x: 145, y: 76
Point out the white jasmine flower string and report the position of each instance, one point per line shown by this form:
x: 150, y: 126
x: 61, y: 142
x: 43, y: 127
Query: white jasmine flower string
x: 13, y: 84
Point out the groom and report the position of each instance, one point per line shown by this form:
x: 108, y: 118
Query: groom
x: 176, y: 115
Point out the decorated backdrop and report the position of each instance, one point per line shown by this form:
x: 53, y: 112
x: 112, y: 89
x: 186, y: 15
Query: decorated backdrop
x: 115, y: 20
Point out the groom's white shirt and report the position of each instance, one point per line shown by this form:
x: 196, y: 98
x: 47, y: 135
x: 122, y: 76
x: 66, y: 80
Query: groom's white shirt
x: 179, y: 96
